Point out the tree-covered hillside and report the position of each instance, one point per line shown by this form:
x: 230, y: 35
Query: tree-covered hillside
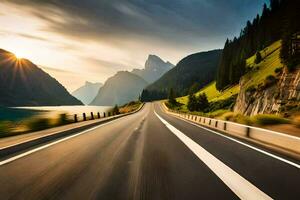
x: 278, y: 21
x: 195, y: 70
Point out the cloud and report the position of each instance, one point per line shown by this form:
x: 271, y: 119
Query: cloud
x: 33, y: 37
x: 169, y: 22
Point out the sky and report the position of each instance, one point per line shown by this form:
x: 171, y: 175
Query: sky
x: 90, y: 40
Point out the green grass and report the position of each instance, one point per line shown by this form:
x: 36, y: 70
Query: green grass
x: 267, y: 119
x: 212, y: 93
x: 266, y: 67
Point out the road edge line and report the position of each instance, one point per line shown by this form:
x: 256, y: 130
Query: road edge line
x: 238, y: 184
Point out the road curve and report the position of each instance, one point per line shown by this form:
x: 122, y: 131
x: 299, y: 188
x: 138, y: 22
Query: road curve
x: 147, y: 155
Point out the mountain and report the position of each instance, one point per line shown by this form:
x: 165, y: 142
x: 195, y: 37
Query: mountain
x: 119, y: 89
x: 22, y: 83
x: 155, y: 67
x: 87, y: 92
x: 194, y: 70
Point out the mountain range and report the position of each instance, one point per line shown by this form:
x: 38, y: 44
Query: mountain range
x: 22, y: 83
x: 127, y: 86
x: 87, y: 92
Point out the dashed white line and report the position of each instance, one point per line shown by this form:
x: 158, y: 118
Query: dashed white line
x: 239, y: 185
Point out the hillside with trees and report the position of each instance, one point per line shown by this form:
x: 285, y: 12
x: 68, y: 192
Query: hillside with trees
x: 194, y: 71
x: 278, y: 21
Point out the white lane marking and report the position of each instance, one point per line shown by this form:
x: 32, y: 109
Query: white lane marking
x: 52, y: 143
x: 247, y: 145
x: 239, y: 185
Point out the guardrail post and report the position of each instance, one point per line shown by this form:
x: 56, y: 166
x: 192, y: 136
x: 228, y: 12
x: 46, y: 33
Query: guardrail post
x: 75, y: 118
x: 204, y: 121
x: 225, y: 126
x: 108, y: 114
x: 98, y: 115
x: 92, y: 115
x: 104, y: 114
x: 84, y: 117
x: 216, y: 124
x: 209, y: 122
x: 248, y: 131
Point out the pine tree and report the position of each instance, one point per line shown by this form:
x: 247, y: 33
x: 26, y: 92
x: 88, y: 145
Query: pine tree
x: 192, y: 102
x: 116, y: 110
x: 171, y: 97
x: 258, y: 57
x: 202, y: 103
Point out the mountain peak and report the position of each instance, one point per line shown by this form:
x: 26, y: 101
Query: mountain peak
x: 155, y: 67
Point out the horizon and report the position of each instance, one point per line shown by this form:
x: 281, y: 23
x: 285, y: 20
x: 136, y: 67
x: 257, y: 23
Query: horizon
x: 78, y: 48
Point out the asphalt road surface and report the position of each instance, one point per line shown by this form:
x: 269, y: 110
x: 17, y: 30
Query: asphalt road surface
x: 148, y: 155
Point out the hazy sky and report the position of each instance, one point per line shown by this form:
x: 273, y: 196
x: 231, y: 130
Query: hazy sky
x: 79, y: 40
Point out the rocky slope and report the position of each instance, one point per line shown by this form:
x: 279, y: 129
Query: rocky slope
x: 155, y: 67
x: 281, y: 97
x: 87, y: 92
x: 22, y: 83
x: 119, y: 89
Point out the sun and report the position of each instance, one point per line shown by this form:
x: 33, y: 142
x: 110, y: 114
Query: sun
x: 19, y: 55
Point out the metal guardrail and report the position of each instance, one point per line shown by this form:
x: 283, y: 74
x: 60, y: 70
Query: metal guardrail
x: 281, y: 140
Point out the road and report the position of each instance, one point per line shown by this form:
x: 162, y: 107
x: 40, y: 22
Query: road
x: 147, y: 155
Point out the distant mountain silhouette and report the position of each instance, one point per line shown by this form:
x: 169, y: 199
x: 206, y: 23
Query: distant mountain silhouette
x: 119, y: 89
x: 22, y: 83
x: 87, y: 92
x: 155, y: 67
x: 197, y: 69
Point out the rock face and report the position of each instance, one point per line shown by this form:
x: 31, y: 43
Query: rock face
x: 275, y: 99
x: 87, y: 92
x: 155, y: 67
x: 122, y: 88
x: 22, y: 83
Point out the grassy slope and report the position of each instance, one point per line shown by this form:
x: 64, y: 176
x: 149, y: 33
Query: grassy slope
x: 260, y: 71
x: 271, y: 61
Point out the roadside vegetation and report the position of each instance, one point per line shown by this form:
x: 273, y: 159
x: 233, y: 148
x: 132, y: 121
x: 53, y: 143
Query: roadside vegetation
x: 34, y: 123
x: 129, y: 107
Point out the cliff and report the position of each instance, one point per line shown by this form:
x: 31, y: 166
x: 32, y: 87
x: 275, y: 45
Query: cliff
x: 281, y: 97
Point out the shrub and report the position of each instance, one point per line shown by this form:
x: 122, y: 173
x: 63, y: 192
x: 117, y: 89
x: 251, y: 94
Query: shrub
x: 270, y: 80
x: 296, y: 121
x: 278, y: 70
x: 268, y: 119
x: 242, y: 119
x: 37, y: 124
x: 258, y: 58
x: 63, y: 119
x: 225, y: 104
x: 5, y: 127
x: 251, y: 89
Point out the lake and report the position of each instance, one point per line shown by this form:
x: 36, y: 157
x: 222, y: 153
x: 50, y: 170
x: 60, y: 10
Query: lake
x: 20, y: 113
